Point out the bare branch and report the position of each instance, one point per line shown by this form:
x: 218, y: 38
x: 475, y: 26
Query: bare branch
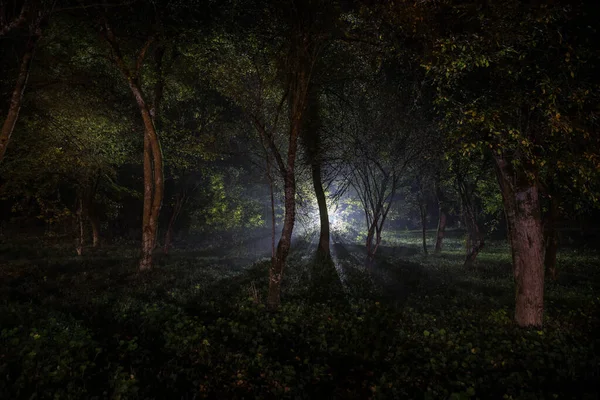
x: 15, y: 23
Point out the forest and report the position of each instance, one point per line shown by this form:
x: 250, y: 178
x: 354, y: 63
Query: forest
x: 299, y: 199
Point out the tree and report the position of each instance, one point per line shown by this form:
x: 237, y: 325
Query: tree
x: 467, y: 173
x: 312, y: 141
x: 153, y: 162
x: 272, y: 78
x: 514, y: 82
x: 36, y: 17
x: 379, y: 146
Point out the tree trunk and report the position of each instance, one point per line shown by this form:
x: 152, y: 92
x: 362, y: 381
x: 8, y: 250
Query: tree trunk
x: 179, y: 200
x: 423, y: 214
x: 283, y: 247
x: 272, y: 200
x: 442, y: 220
x: 301, y: 63
x: 153, y: 189
x: 371, y: 247
x: 475, y: 241
x: 551, y: 238
x: 323, y: 249
x: 522, y: 206
x: 95, y: 224
x: 80, y: 230
x: 299, y: 92
x: 153, y: 162
x: 17, y: 95
x: 273, y: 223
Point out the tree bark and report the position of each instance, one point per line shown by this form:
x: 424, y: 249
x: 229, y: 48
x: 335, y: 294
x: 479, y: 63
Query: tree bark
x: 153, y: 162
x: 179, y: 200
x: 423, y: 214
x: 299, y: 85
x: 17, y: 95
x: 283, y: 247
x: 475, y: 239
x: 522, y: 206
x: 323, y: 249
x: 80, y: 230
x: 153, y: 184
x: 16, y: 22
x: 273, y: 222
x: 95, y: 225
x: 272, y: 201
x: 442, y: 219
x: 371, y: 247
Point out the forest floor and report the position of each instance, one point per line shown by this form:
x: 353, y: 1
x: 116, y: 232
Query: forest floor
x: 413, y: 326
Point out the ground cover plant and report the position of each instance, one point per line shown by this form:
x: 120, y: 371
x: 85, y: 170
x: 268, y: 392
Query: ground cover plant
x: 196, y: 327
x: 299, y: 199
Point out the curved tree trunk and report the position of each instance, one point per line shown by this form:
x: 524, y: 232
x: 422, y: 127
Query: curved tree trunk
x: 299, y: 86
x: 551, y: 238
x: 153, y: 161
x: 442, y: 219
x: 323, y: 249
x: 522, y: 207
x: 283, y: 247
x: 153, y: 187
x: 17, y: 95
x: 311, y: 139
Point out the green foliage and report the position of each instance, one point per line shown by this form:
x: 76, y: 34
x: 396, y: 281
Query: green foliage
x: 194, y: 327
x: 514, y: 81
x: 224, y: 207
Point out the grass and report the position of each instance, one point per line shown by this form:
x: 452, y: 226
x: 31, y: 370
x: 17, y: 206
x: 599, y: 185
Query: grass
x: 195, y: 327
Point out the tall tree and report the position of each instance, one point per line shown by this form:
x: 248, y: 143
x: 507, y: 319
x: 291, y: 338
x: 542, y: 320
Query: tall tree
x: 272, y: 78
x: 153, y: 159
x: 33, y: 17
x: 379, y: 147
x: 514, y: 81
x: 311, y: 135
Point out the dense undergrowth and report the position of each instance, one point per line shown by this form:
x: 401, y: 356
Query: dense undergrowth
x: 195, y: 327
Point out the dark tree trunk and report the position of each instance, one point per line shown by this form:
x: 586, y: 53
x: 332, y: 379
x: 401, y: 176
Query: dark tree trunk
x: 371, y: 246
x: 442, y: 219
x: 272, y: 201
x: 551, y: 238
x: 475, y: 239
x: 95, y: 225
x: 283, y: 247
x: 323, y: 249
x: 273, y: 222
x: 17, y: 95
x: 522, y: 207
x: 80, y: 230
x: 299, y: 85
x: 7, y: 25
x: 179, y: 200
x: 153, y: 187
x: 423, y: 214
x: 311, y: 139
